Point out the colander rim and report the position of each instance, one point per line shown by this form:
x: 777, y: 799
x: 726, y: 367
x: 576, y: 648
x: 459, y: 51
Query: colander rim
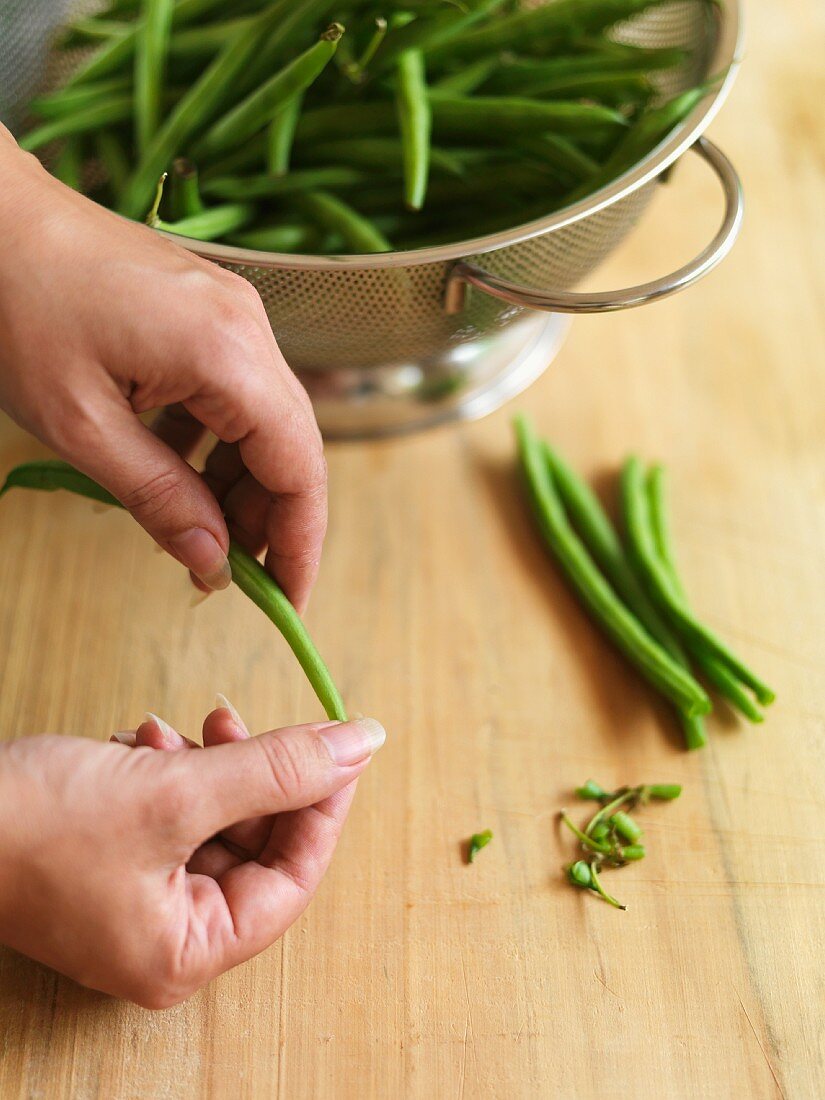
x: 726, y: 58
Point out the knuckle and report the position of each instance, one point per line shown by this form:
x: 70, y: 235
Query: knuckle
x: 152, y: 497
x: 286, y: 763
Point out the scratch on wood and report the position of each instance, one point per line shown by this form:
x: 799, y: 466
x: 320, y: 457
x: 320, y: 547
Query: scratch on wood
x: 606, y: 986
x: 759, y: 1041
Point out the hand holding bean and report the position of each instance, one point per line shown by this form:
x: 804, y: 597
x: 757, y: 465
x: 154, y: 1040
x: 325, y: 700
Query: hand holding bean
x: 102, y: 320
x: 145, y: 873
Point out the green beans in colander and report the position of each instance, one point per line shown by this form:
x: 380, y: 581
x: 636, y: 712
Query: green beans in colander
x: 530, y: 108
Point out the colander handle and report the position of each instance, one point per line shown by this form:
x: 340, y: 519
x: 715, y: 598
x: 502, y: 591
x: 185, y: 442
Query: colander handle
x: 465, y: 274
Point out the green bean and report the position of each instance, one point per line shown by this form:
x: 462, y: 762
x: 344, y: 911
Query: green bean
x: 259, y: 108
x: 211, y: 224
x: 112, y: 156
x: 657, y: 578
x: 561, y: 153
x: 250, y: 155
x: 184, y: 191
x: 67, y: 101
x: 201, y: 43
x: 469, y: 78
x: 384, y: 154
x: 460, y: 116
x: 95, y: 117
x: 430, y: 35
x: 285, y: 237
x: 281, y: 136
x: 336, y: 216
x: 196, y: 107
x: 415, y: 121
x: 642, y: 137
x: 84, y: 31
x: 618, y: 87
x: 622, y: 626
x: 112, y: 57
x: 118, y: 52
x: 151, y: 50
x: 356, y: 68
x: 68, y: 167
x: 713, y: 669
x: 517, y: 74
x: 543, y: 27
x: 247, y: 574
x: 601, y: 540
x: 236, y: 189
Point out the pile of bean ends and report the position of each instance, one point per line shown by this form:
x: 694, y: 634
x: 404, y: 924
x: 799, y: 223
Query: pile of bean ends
x: 632, y: 589
x: 351, y: 126
x: 611, y: 837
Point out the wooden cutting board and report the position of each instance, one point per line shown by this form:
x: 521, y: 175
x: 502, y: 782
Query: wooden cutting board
x: 413, y: 975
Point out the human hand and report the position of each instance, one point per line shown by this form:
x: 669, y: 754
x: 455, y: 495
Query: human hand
x: 145, y: 873
x: 102, y: 319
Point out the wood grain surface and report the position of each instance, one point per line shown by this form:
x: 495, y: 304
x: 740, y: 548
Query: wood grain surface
x: 413, y: 975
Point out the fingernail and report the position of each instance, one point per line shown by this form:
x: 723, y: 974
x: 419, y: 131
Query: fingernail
x: 99, y: 507
x: 222, y: 702
x: 200, y: 552
x: 351, y: 742
x: 124, y: 737
x: 198, y: 597
x: 164, y: 727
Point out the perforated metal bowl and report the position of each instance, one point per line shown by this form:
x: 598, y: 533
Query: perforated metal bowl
x: 401, y: 340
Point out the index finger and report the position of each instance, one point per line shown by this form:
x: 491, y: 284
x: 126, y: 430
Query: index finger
x: 249, y: 396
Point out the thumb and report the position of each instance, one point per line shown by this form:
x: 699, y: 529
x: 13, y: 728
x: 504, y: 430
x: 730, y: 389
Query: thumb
x: 276, y: 772
x: 163, y: 493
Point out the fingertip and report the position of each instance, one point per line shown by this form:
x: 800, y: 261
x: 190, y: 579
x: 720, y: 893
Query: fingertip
x: 224, y: 725
x: 155, y: 733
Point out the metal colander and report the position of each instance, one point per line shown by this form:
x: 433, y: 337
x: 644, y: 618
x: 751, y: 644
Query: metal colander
x: 395, y: 341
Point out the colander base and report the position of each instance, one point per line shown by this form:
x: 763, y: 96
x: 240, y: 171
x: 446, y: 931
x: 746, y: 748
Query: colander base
x: 468, y: 382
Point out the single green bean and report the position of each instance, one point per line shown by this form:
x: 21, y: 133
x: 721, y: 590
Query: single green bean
x: 587, y: 841
x: 714, y: 670
x: 415, y: 121
x: 237, y: 189
x: 336, y: 216
x: 211, y: 224
x: 469, y: 78
x: 247, y: 574
x: 502, y: 116
x: 384, y: 154
x: 657, y: 578
x: 151, y: 49
x: 259, y: 108
x: 95, y: 117
x: 437, y: 32
x: 67, y: 101
x: 285, y: 237
x: 281, y: 136
x: 614, y: 617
